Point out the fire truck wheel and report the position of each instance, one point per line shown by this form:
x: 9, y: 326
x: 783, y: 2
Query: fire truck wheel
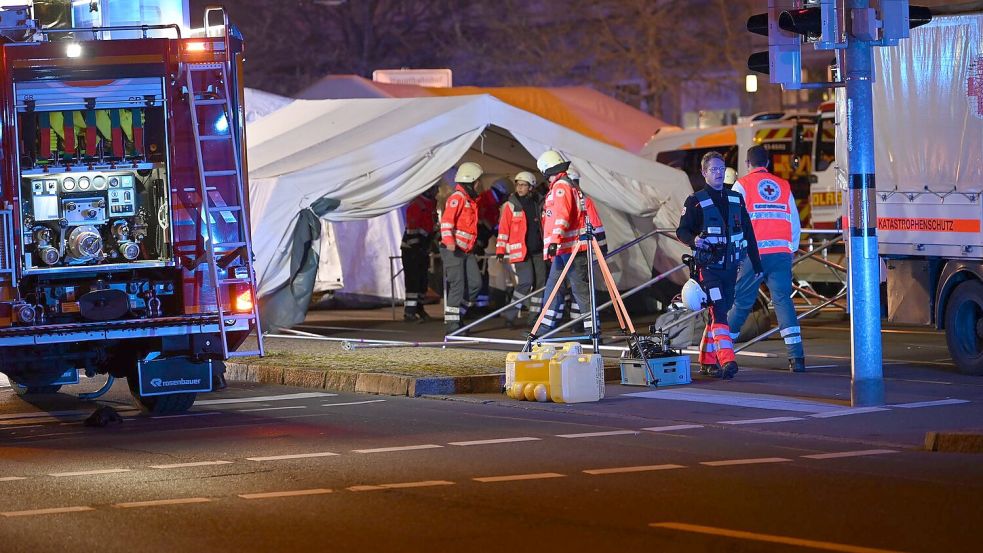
x: 964, y: 327
x: 161, y: 405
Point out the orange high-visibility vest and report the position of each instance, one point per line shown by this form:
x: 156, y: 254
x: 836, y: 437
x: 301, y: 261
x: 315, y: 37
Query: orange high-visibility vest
x: 769, y: 203
x: 459, y: 222
x: 512, y: 232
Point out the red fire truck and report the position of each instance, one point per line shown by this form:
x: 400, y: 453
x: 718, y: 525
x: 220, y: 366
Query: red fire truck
x: 124, y: 231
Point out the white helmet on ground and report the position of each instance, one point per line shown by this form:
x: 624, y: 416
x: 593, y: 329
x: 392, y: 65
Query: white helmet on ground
x: 551, y: 163
x: 525, y: 176
x: 693, y: 295
x: 468, y: 172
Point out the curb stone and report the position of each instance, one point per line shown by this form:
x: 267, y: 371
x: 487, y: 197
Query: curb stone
x: 365, y: 382
x: 954, y: 442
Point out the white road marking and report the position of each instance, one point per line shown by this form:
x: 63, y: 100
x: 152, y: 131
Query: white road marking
x: 762, y: 421
x: 53, y: 511
x: 294, y: 493
x: 732, y: 462
x: 599, y: 434
x: 399, y: 448
x: 917, y: 404
x: 400, y: 485
x: 513, y: 477
x: 821, y: 366
x: 739, y: 399
x: 496, y: 441
x: 851, y: 411
x: 88, y: 472
x: 159, y: 502
x: 294, y: 456
x: 272, y: 408
x: 186, y: 415
x: 842, y: 454
x: 12, y: 478
x: 186, y: 465
x: 672, y: 428
x: 260, y: 399
x: 643, y: 468
x: 768, y: 538
x: 352, y: 403
x: 21, y: 427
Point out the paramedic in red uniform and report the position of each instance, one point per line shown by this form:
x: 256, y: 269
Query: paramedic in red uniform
x: 458, y: 234
x: 421, y: 217
x: 520, y: 241
x: 564, y: 221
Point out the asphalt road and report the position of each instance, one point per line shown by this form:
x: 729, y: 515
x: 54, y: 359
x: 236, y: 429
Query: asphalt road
x: 769, y: 462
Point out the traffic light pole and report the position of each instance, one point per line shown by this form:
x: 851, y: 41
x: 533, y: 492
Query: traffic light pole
x: 867, y: 384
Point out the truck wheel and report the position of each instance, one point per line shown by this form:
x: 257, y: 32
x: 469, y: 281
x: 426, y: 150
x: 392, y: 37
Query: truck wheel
x: 161, y: 405
x: 964, y: 327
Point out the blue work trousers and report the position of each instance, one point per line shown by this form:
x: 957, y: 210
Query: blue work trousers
x: 777, y: 274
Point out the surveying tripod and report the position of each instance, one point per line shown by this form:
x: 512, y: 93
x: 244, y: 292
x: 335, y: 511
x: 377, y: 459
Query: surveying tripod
x: 624, y: 320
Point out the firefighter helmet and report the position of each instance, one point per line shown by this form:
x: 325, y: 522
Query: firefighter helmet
x: 551, y: 163
x: 693, y: 295
x: 468, y: 172
x: 525, y: 176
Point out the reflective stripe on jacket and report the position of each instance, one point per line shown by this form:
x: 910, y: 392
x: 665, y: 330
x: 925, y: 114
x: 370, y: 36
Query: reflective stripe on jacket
x: 563, y: 218
x: 726, y: 230
x: 512, y: 233
x: 459, y: 222
x: 420, y: 218
x: 769, y: 204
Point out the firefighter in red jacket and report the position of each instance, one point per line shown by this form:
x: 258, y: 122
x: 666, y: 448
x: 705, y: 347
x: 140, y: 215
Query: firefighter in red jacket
x: 564, y: 221
x: 421, y: 218
x: 458, y: 234
x: 520, y: 240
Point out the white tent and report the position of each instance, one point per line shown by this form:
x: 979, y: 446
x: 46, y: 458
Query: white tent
x: 330, y: 274
x: 355, y: 159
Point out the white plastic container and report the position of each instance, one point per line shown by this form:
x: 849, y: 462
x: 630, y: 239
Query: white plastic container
x: 576, y: 377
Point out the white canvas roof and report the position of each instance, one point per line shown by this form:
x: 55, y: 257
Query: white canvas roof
x: 375, y: 155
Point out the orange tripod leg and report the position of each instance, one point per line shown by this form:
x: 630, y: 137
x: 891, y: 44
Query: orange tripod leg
x: 613, y: 289
x: 553, y: 292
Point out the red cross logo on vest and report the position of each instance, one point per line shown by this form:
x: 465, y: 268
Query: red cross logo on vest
x: 974, y: 87
x: 769, y: 190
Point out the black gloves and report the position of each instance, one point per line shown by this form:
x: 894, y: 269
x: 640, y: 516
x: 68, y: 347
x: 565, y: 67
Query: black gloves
x: 551, y: 251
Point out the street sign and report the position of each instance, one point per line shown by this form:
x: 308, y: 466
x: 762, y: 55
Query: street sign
x: 436, y: 78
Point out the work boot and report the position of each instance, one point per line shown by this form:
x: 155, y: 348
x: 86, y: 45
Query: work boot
x: 710, y: 370
x: 410, y: 317
x: 729, y: 370
x: 424, y: 316
x: 797, y: 365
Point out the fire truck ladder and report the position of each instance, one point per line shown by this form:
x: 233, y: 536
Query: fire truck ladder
x: 207, y: 209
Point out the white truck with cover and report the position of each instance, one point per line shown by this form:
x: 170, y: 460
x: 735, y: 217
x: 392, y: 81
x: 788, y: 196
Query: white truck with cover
x: 928, y: 118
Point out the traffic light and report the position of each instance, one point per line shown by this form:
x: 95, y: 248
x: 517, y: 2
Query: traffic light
x: 898, y: 18
x: 783, y: 60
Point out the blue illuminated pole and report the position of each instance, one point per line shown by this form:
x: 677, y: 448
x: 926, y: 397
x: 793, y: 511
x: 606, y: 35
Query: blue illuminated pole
x: 867, y: 385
